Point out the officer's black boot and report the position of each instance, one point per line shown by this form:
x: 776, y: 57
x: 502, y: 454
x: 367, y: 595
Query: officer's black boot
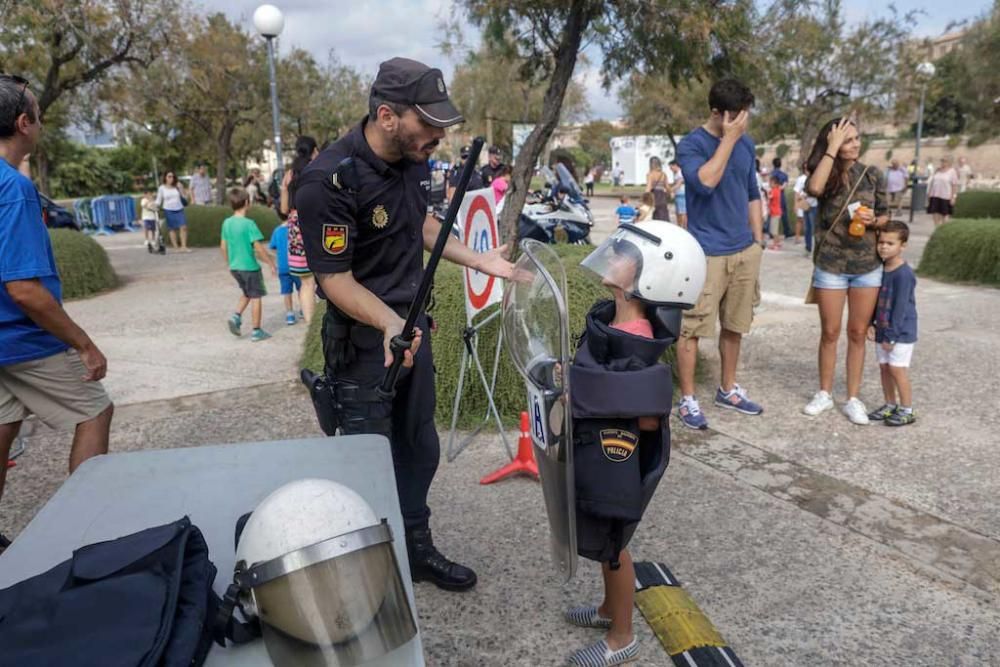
x: 427, y: 564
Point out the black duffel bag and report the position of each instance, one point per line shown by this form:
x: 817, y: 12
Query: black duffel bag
x: 143, y: 599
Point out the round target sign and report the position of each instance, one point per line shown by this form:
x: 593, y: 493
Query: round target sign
x: 481, y: 234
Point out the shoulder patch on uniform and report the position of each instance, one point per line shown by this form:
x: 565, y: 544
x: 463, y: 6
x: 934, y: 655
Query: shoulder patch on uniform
x: 335, y: 239
x: 380, y: 217
x: 618, y: 444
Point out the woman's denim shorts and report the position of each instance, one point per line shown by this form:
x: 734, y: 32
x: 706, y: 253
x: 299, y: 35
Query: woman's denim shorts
x: 825, y: 280
x: 175, y: 219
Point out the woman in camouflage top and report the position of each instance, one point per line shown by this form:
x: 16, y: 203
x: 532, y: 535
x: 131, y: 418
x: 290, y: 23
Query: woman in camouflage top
x: 847, y: 268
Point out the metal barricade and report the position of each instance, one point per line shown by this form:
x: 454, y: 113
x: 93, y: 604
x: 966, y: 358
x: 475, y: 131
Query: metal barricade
x: 81, y: 211
x: 112, y: 213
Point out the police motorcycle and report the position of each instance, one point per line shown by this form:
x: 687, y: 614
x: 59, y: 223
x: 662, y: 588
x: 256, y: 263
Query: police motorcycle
x: 558, y: 214
x: 598, y: 469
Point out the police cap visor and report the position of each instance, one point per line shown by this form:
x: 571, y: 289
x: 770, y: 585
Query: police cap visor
x: 409, y: 82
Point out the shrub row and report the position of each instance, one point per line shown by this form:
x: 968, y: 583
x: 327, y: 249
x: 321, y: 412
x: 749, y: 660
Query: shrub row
x: 449, y: 315
x: 964, y: 251
x: 978, y: 204
x: 205, y: 223
x: 84, y: 268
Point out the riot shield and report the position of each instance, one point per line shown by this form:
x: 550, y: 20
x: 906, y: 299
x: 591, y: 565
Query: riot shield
x: 536, y: 334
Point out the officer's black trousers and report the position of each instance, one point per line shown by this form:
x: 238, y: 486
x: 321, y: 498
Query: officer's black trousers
x: 408, y: 420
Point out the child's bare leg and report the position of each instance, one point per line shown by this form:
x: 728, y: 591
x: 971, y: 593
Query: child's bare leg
x: 901, y: 376
x: 257, y: 311
x: 288, y: 303
x: 619, y: 596
x: 798, y: 229
x: 888, y: 384
x: 241, y: 305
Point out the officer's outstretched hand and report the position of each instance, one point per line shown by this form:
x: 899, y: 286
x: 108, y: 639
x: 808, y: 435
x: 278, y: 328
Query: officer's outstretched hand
x: 394, y: 330
x: 495, y: 263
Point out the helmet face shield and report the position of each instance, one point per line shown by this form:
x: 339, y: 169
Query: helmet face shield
x: 618, y: 262
x: 337, y: 603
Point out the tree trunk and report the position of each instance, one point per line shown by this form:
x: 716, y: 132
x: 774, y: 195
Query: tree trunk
x: 222, y: 146
x: 41, y: 162
x: 580, y: 14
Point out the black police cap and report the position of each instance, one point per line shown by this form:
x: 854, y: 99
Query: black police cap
x: 409, y: 82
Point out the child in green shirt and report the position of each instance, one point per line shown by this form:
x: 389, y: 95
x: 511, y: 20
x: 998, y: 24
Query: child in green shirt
x: 242, y: 246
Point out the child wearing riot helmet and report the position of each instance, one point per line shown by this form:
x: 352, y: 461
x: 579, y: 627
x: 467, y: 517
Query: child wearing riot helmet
x: 620, y: 404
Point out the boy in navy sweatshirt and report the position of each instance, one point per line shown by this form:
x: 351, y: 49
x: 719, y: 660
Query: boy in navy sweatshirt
x: 895, y: 326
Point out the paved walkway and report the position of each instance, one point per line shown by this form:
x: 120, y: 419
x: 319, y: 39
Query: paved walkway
x: 807, y: 541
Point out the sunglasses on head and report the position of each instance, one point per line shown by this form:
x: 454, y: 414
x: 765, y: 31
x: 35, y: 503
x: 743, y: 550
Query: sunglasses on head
x: 21, y: 81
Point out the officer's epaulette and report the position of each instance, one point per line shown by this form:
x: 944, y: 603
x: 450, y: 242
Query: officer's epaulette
x: 345, y: 176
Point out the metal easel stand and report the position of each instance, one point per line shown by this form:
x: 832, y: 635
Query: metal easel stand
x: 470, y: 336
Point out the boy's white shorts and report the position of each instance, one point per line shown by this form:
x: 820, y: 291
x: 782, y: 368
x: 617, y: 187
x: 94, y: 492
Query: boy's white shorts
x: 898, y: 356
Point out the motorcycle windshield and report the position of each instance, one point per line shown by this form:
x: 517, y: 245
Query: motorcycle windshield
x: 536, y: 332
x: 566, y: 179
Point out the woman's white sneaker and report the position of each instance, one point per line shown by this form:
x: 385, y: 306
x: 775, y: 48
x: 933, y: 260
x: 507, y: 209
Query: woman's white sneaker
x: 821, y: 402
x: 856, y: 412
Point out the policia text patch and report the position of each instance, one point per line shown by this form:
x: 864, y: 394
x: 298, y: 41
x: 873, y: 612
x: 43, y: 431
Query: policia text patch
x: 618, y: 444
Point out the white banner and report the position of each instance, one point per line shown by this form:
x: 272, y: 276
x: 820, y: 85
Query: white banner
x: 477, y: 223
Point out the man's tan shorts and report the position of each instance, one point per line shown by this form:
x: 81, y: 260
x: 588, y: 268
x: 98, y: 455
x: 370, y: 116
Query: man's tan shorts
x: 51, y: 388
x: 732, y: 291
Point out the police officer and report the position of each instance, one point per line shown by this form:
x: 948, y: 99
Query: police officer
x: 492, y: 168
x: 365, y: 243
x: 475, y: 181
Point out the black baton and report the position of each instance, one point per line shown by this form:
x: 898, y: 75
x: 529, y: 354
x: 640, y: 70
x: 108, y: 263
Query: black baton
x: 399, y: 344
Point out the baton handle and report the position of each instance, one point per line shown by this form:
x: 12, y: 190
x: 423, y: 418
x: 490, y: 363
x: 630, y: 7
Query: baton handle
x: 399, y: 344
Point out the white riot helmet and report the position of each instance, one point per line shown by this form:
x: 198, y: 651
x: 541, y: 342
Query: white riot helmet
x: 322, y: 577
x: 655, y: 261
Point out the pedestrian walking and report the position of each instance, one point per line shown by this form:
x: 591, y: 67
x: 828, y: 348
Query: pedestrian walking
x: 366, y: 246
x: 942, y: 191
x: 895, y: 326
x: 306, y: 151
x: 242, y: 247
x: 964, y: 174
x: 170, y: 196
x: 680, y: 198
x: 810, y: 207
x: 717, y: 161
x: 588, y: 181
x: 147, y: 206
x: 774, y: 209
x: 201, y: 186
x: 49, y: 366
x: 852, y: 207
x: 895, y: 179
x: 658, y: 184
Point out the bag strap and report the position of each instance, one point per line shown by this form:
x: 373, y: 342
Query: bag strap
x: 841, y: 213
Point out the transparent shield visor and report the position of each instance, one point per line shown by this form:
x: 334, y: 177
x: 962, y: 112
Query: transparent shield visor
x: 617, y: 263
x: 534, y: 317
x: 340, y: 612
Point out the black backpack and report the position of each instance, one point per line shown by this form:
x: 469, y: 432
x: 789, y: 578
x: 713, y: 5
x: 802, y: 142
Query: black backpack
x: 143, y: 599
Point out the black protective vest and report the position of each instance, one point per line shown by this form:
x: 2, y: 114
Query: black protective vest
x: 616, y: 378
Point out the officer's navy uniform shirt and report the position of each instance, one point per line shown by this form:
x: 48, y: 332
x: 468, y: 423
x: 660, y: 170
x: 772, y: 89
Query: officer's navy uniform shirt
x: 377, y: 232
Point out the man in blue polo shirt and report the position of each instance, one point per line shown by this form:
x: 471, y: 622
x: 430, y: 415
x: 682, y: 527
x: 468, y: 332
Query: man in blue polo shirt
x: 717, y: 161
x: 49, y: 367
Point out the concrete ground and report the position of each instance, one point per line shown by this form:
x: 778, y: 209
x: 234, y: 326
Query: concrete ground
x: 806, y: 541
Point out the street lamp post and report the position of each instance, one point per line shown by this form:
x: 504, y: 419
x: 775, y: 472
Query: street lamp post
x: 925, y: 71
x: 269, y: 22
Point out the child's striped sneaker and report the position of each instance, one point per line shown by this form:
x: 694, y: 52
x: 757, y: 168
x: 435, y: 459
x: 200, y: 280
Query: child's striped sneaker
x: 882, y: 413
x: 601, y: 655
x: 587, y: 617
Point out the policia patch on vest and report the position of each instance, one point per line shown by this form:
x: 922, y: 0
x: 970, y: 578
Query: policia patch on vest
x: 618, y: 444
x: 682, y: 628
x: 335, y: 239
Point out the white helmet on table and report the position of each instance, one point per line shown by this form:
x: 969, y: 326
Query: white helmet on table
x: 322, y: 576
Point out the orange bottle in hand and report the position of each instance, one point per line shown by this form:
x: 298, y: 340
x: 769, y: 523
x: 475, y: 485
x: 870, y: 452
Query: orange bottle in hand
x: 857, y: 226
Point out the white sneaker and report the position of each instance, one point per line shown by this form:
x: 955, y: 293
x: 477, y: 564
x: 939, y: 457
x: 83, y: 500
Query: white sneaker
x: 856, y: 412
x: 821, y: 402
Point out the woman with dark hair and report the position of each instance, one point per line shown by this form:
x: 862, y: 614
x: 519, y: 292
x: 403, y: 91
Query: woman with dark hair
x: 305, y: 151
x: 658, y: 184
x: 170, y: 196
x: 852, y: 207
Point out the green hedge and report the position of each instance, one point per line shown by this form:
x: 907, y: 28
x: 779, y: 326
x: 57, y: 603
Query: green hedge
x: 449, y: 313
x: 205, y: 223
x: 84, y: 268
x: 978, y: 204
x: 964, y: 251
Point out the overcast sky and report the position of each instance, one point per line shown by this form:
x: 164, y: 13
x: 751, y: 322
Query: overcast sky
x: 363, y: 34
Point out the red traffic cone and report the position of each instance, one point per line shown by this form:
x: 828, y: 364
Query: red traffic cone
x: 523, y: 463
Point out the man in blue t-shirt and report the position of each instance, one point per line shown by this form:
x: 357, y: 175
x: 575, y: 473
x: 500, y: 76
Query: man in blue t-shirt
x: 49, y: 367
x: 717, y: 161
